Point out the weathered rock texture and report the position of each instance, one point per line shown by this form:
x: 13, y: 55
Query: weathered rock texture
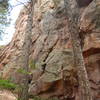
x: 51, y: 45
x: 7, y: 95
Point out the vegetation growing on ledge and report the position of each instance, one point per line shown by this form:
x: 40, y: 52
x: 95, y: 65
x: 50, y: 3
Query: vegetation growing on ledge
x: 32, y: 64
x: 7, y: 84
x: 22, y: 71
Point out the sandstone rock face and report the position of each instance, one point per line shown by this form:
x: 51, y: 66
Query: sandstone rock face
x: 51, y: 46
x: 6, y: 95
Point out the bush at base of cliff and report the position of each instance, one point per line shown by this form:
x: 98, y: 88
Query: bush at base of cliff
x: 6, y: 84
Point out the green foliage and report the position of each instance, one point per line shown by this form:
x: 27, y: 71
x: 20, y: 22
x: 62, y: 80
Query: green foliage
x: 4, y: 4
x: 23, y: 71
x: 32, y: 64
x: 4, y: 21
x: 18, y: 89
x: 6, y: 84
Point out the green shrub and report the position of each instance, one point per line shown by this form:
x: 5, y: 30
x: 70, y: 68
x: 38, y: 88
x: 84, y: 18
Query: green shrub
x: 6, y: 84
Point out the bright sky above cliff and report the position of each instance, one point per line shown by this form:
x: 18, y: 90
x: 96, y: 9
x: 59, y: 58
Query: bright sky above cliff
x: 14, y: 14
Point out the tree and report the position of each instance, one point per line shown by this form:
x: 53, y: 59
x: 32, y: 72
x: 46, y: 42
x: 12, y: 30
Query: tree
x: 23, y: 94
x: 73, y: 16
x: 4, y: 22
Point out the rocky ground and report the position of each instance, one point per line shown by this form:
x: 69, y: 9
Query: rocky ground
x: 7, y: 95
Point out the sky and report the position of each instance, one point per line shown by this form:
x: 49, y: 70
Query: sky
x: 13, y: 15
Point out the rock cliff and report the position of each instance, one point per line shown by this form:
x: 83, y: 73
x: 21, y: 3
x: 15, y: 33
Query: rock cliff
x: 51, y: 47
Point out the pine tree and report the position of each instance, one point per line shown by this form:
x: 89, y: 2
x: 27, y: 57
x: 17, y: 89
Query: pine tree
x: 3, y: 16
x: 23, y: 93
x: 73, y: 15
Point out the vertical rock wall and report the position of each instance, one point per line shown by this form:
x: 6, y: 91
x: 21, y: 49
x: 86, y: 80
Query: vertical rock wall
x: 51, y: 46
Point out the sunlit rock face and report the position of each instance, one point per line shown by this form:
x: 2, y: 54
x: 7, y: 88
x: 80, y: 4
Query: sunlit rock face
x: 7, y: 95
x: 51, y: 43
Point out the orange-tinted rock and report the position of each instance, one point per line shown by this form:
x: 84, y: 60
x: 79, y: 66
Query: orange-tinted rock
x: 51, y: 43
